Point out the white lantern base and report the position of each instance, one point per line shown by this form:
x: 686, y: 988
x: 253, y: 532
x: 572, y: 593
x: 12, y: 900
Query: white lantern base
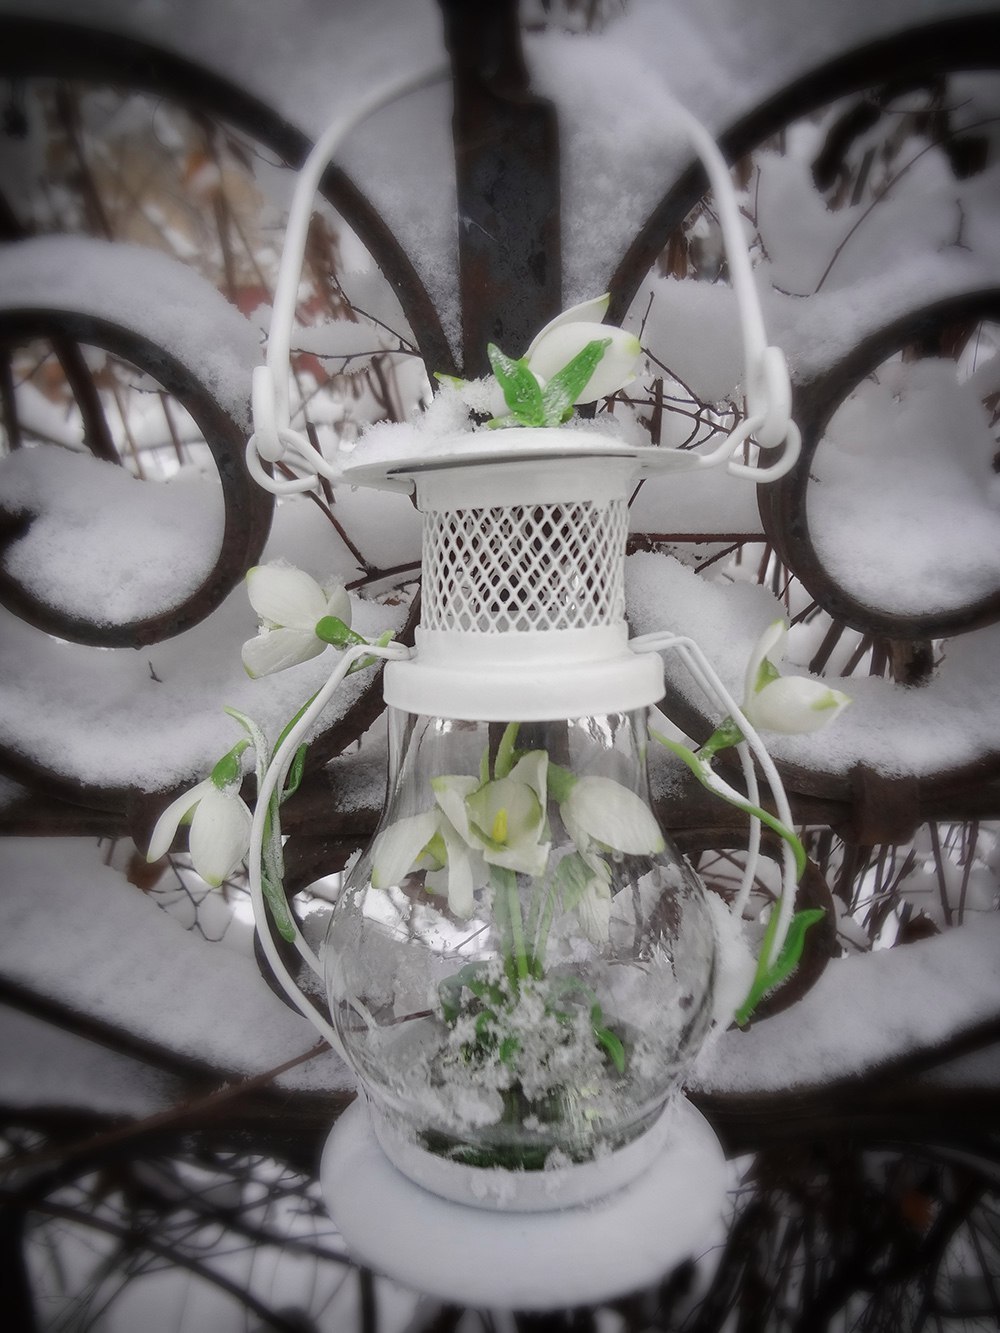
x: 519, y: 1260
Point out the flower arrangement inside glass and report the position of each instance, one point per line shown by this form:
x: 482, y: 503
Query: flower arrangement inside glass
x: 520, y: 967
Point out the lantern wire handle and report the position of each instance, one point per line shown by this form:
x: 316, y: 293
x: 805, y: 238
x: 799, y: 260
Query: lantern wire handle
x: 272, y: 438
x: 274, y: 780
x: 768, y: 387
x: 708, y: 681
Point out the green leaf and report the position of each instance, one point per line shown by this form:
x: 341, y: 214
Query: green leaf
x: 566, y: 385
x: 295, y: 772
x: 768, y: 978
x: 725, y: 735
x: 613, y: 1047
x: 363, y: 663
x: 572, y: 878
x: 292, y: 722
x: 274, y: 895
x: 509, y: 1048
x: 521, y: 390
x: 262, y: 751
x: 791, y: 950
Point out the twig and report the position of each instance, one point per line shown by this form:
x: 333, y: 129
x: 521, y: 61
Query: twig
x: 171, y: 1117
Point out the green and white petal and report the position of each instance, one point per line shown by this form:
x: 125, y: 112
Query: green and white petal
x: 532, y: 769
x: 770, y: 649
x: 795, y: 705
x: 603, y: 811
x: 525, y: 858
x: 505, y: 812
x: 451, y: 793
x: 586, y: 312
x: 562, y: 343
x: 275, y: 649
x: 460, y: 875
x: 338, y: 603
x: 284, y: 595
x: 172, y: 818
x: 220, y: 834
x: 397, y: 848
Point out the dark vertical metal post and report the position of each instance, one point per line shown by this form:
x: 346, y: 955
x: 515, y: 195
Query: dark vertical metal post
x: 507, y: 166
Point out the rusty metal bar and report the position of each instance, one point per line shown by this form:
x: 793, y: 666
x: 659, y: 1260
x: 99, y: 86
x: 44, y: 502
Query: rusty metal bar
x: 507, y: 171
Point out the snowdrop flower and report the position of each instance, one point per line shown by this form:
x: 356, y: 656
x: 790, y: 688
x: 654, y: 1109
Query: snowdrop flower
x: 569, y: 333
x: 505, y: 818
x: 791, y: 704
x: 602, y: 811
x: 290, y: 604
x: 574, y: 359
x: 426, y: 842
x: 474, y: 825
x: 220, y: 828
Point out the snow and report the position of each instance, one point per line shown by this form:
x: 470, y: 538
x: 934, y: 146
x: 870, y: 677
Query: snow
x: 153, y: 718
x: 904, y: 506
x: 144, y: 291
x: 619, y: 149
x: 865, y: 1012
x: 94, y: 526
x: 43, y: 1066
x: 120, y: 960
x: 952, y: 720
x: 904, y: 509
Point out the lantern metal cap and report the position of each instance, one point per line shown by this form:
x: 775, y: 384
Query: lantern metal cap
x: 509, y: 446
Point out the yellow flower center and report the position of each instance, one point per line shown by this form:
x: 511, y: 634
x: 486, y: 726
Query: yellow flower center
x: 499, y: 831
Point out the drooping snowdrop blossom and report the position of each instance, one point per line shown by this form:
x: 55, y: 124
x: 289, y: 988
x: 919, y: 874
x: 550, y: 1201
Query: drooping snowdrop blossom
x: 568, y: 334
x: 598, y: 810
x: 220, y: 826
x: 790, y: 704
x: 290, y: 605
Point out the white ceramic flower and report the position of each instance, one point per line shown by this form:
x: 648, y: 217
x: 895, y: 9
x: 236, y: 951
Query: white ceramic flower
x: 791, y: 704
x: 427, y: 842
x: 289, y: 604
x: 220, y: 829
x: 600, y: 810
x: 473, y: 825
x: 562, y: 338
x: 505, y: 819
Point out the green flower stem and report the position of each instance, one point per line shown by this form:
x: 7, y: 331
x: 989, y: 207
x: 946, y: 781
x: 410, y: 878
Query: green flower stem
x: 506, y: 751
x: 538, y: 927
x: 363, y: 663
x: 508, y: 904
x: 703, y: 772
x: 726, y: 735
